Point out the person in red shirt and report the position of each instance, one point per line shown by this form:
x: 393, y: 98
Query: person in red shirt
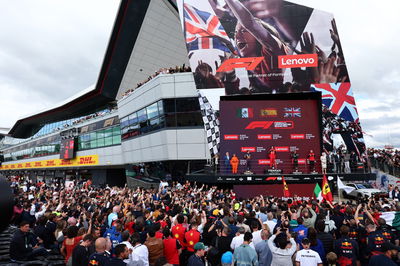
x: 159, y: 233
x: 272, y: 157
x: 172, y: 248
x: 311, y: 160
x: 178, y: 231
x: 192, y: 237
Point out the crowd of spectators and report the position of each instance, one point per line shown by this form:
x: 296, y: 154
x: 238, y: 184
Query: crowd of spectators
x: 387, y: 160
x: 188, y: 224
x: 171, y: 70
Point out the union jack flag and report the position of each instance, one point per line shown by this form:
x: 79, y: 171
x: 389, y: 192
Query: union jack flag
x: 292, y: 112
x: 203, y: 30
x: 338, y: 97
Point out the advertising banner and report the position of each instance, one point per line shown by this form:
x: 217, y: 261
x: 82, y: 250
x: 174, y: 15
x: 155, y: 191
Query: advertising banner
x: 271, y: 46
x: 89, y: 160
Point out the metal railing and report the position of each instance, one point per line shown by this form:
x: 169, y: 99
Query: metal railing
x: 384, y: 166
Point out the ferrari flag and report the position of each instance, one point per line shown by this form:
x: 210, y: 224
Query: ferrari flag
x: 326, y: 190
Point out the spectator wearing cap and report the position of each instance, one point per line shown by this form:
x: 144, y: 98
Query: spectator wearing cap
x: 306, y: 256
x: 389, y: 253
x: 283, y: 251
x: 227, y: 259
x: 262, y: 249
x: 245, y: 255
x: 197, y: 258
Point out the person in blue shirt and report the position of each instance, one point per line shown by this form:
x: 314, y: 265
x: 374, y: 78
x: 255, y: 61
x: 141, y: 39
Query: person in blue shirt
x: 114, y: 234
x: 316, y: 244
x: 389, y: 251
x: 300, y: 229
x: 101, y: 257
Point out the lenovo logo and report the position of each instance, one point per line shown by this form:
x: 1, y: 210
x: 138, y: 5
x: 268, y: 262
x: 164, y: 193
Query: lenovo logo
x: 231, y: 137
x: 250, y: 149
x: 264, y: 161
x: 249, y: 63
x: 264, y: 136
x: 297, y: 136
x: 282, y: 149
x: 302, y: 60
x: 268, y: 124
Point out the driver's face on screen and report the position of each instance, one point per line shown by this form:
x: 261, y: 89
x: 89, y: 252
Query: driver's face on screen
x: 245, y: 42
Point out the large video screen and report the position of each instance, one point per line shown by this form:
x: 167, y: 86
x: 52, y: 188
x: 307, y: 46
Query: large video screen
x: 271, y: 46
x: 256, y: 127
x: 67, y: 148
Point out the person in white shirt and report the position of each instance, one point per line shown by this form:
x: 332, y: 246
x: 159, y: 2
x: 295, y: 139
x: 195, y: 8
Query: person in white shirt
x: 282, y: 254
x: 140, y: 253
x: 270, y: 222
x: 238, y: 239
x: 306, y: 256
x: 256, y: 233
x: 125, y: 240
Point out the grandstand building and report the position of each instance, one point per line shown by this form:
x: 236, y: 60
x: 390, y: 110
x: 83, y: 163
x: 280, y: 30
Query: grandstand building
x: 107, y: 134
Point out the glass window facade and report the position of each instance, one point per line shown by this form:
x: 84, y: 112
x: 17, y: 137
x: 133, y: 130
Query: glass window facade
x: 51, y: 145
x: 167, y: 113
x: 100, y: 138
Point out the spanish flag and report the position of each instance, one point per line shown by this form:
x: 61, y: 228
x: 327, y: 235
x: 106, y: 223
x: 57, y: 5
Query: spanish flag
x: 286, y: 192
x: 326, y: 190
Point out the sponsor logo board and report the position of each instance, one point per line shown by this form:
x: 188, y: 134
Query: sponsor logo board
x: 301, y: 60
x: 231, y: 137
x: 248, y: 63
x: 297, y: 136
x: 268, y: 124
x: 78, y: 161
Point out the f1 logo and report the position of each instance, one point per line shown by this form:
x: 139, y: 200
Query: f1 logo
x: 259, y: 124
x: 268, y: 124
x: 249, y: 63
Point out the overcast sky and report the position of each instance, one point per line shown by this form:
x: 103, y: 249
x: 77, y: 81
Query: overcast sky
x: 51, y: 50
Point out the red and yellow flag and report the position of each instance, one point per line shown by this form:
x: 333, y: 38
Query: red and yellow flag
x: 326, y: 190
x: 286, y: 192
